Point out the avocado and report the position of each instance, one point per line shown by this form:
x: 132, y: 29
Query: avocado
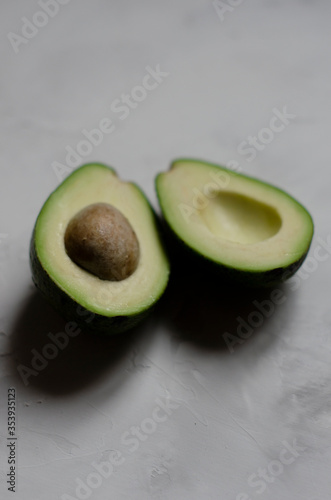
x: 96, y: 253
x: 245, y: 229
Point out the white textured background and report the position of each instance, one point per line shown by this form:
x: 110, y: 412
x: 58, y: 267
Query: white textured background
x: 232, y: 413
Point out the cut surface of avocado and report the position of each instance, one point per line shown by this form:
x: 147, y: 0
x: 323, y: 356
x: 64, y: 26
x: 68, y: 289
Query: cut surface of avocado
x: 68, y: 285
x: 250, y: 228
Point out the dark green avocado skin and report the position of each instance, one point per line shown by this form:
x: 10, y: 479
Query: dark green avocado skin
x: 71, y: 310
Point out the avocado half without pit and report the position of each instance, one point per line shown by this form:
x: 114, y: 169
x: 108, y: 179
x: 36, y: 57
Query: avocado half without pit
x: 96, y: 253
x: 248, y: 230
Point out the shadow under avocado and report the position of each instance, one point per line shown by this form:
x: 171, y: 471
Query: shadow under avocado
x: 48, y: 358
x: 215, y: 314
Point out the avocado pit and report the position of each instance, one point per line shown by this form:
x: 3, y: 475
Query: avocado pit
x: 100, y: 239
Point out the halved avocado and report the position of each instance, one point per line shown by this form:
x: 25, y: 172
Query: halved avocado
x: 250, y: 230
x: 72, y: 281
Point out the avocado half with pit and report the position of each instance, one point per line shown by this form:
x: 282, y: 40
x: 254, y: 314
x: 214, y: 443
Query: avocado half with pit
x: 250, y: 230
x: 96, y: 253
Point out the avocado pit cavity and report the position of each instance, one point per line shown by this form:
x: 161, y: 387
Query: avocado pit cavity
x: 241, y: 219
x: 101, y: 240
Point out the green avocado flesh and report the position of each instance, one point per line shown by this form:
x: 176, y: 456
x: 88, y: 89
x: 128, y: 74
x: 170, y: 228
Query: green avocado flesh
x: 251, y: 230
x: 115, y: 306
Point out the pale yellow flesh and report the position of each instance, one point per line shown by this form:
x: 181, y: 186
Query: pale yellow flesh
x: 237, y: 221
x: 240, y: 219
x: 131, y: 295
